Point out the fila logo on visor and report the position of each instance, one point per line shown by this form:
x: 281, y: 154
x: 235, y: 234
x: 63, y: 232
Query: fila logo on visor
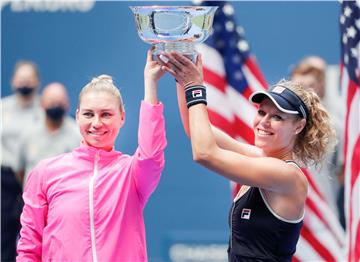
x: 278, y: 89
x: 245, y: 213
x: 197, y: 93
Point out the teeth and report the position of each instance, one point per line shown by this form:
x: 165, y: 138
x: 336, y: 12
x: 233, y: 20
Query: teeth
x: 96, y: 133
x: 263, y: 132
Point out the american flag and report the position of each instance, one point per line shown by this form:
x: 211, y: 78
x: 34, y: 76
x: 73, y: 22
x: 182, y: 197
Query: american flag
x: 350, y: 84
x: 231, y: 75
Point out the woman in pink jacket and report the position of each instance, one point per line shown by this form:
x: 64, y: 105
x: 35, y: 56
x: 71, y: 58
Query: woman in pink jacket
x: 87, y: 205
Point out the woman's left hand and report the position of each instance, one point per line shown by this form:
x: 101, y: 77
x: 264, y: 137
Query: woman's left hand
x: 183, y: 69
x: 153, y: 71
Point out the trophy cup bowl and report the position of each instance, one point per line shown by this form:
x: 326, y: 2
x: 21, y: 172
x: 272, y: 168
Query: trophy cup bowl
x: 174, y: 28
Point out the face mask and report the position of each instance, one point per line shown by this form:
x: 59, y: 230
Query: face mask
x: 25, y: 90
x: 55, y: 113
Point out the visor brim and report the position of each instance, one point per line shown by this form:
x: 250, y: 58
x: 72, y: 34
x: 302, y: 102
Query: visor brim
x: 280, y: 102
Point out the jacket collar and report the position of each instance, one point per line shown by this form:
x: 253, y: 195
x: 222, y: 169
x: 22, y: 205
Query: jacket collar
x: 85, y: 151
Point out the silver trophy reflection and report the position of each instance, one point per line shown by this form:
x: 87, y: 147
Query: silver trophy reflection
x: 174, y: 28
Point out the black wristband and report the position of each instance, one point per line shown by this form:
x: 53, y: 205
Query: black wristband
x: 195, y: 95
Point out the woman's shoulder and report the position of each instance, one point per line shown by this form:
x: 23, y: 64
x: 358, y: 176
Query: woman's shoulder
x: 291, y: 178
x: 48, y: 163
x: 301, y: 182
x: 47, y: 167
x: 297, y: 168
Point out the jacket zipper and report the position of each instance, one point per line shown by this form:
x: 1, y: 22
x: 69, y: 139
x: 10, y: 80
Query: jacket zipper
x: 91, y: 207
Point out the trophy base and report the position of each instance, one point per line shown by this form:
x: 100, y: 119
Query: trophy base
x: 185, y: 48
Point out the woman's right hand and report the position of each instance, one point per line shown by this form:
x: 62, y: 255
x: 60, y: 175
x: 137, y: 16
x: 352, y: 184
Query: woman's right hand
x: 183, y: 69
x: 153, y: 70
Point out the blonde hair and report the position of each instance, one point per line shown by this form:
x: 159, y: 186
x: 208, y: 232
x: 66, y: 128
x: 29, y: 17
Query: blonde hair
x: 312, y: 65
x: 102, y: 83
x: 318, y: 137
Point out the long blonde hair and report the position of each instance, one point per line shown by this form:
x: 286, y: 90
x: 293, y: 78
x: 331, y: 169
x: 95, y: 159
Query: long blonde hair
x: 318, y: 137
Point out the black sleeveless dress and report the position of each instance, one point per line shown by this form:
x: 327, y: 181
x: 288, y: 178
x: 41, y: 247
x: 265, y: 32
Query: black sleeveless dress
x: 257, y: 233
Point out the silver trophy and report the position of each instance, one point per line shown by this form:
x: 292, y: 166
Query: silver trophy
x: 174, y: 28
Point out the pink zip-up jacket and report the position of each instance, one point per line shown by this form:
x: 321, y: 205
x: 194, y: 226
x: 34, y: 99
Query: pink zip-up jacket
x: 87, y: 205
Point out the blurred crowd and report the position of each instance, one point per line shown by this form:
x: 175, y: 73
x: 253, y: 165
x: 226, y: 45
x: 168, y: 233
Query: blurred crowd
x: 34, y: 126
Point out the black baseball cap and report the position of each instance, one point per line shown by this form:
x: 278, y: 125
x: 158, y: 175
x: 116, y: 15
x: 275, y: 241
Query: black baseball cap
x: 284, y: 99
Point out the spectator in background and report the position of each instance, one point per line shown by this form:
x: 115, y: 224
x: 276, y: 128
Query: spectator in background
x: 20, y: 111
x: 59, y: 133
x: 311, y: 73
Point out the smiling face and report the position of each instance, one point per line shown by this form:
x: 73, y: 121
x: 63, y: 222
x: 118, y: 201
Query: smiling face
x: 99, y: 118
x: 275, y: 131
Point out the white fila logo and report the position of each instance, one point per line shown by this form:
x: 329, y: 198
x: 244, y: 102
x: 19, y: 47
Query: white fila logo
x: 245, y: 213
x: 278, y: 89
x: 197, y: 93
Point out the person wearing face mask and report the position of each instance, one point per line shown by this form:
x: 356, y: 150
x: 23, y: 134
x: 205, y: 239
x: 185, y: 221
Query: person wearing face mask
x: 19, y: 111
x: 87, y: 205
x: 58, y: 134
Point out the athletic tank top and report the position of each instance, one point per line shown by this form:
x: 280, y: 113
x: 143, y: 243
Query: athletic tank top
x: 257, y: 233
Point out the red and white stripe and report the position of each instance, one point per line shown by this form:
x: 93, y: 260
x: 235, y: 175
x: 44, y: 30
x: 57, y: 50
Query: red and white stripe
x: 352, y: 165
x: 322, y: 238
x: 228, y: 109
